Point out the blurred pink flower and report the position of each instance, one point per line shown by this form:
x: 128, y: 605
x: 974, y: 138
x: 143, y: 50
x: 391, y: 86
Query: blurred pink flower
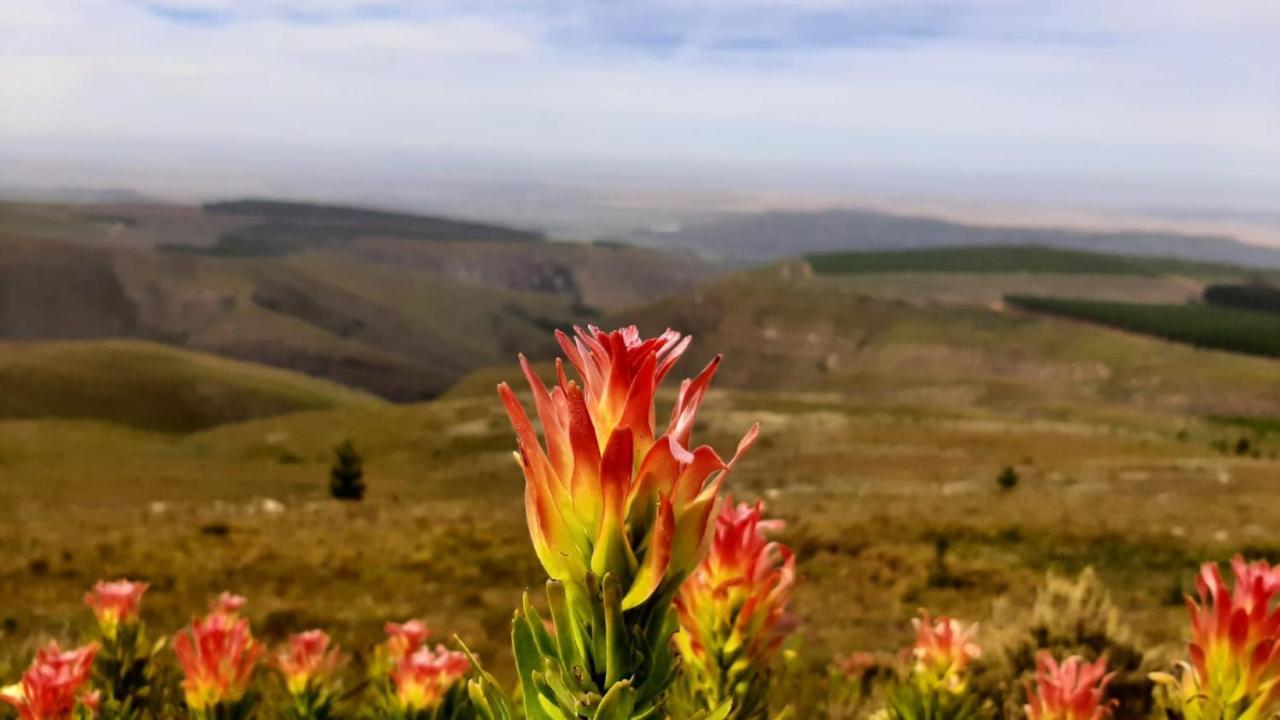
x: 405, y: 638
x: 52, y: 686
x: 1074, y: 690
x: 422, y: 677
x: 218, y: 655
x: 115, y: 602
x: 309, y: 661
x: 943, y: 650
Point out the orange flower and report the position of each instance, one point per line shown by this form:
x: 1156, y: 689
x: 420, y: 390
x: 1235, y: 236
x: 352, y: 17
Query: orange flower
x: 309, y: 661
x: 943, y: 650
x: 1073, y: 690
x: 228, y: 604
x: 607, y: 494
x: 742, y: 588
x: 422, y: 677
x: 52, y: 686
x: 733, y: 613
x: 114, y: 603
x: 1235, y: 645
x: 404, y: 638
x: 217, y: 655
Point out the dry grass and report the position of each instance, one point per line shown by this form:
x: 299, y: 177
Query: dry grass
x: 441, y: 536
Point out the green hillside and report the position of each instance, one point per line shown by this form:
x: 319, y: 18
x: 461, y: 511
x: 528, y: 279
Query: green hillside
x: 816, y: 334
x: 153, y: 387
x: 381, y: 310
x: 1011, y: 259
x: 1219, y: 327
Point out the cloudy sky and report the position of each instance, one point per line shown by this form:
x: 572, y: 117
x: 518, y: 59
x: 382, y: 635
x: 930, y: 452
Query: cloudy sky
x: 1140, y: 102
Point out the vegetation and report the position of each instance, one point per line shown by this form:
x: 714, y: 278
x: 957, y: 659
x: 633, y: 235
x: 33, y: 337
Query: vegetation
x: 1010, y: 259
x: 1255, y: 296
x: 1007, y: 479
x: 1205, y: 326
x: 346, y: 477
x: 153, y: 387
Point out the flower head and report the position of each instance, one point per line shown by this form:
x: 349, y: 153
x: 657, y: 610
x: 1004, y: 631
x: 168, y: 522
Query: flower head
x: 1074, y: 690
x: 422, y: 677
x: 943, y: 650
x: 608, y: 493
x: 1235, y: 642
x: 737, y: 597
x: 53, y: 685
x: 115, y: 602
x: 227, y: 603
x: 405, y: 638
x: 217, y: 655
x: 309, y: 661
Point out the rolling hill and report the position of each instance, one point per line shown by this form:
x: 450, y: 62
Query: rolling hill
x: 397, y: 304
x: 795, y: 331
x: 153, y: 387
x: 767, y: 236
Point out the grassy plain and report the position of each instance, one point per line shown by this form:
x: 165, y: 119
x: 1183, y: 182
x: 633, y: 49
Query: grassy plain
x: 885, y: 424
x: 866, y: 487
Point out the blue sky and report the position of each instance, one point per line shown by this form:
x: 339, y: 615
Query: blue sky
x: 1140, y: 102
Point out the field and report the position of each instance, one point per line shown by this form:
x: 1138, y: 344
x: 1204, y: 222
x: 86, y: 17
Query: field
x: 869, y: 464
x: 893, y: 389
x: 1207, y: 326
x: 1018, y: 259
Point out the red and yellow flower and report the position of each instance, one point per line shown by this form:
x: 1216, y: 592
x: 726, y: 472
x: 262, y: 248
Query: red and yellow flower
x: 609, y: 494
x: 310, y: 662
x: 1074, y: 690
x: 943, y: 650
x: 404, y: 638
x: 423, y: 677
x: 733, y: 612
x: 218, y: 655
x: 742, y: 588
x: 53, y: 687
x: 1235, y: 645
x: 115, y: 602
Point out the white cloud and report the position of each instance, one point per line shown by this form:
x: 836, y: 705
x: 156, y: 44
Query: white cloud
x: 1102, y: 96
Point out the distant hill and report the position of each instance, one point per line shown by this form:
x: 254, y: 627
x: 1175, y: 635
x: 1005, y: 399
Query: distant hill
x: 762, y: 237
x: 154, y: 387
x: 782, y: 329
x: 997, y: 259
x: 284, y: 227
x: 380, y: 310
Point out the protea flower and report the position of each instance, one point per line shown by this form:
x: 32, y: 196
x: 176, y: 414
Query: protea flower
x: 608, y: 495
x: 115, y: 602
x: 310, y: 665
x: 404, y: 638
x: 733, y: 613
x: 124, y: 668
x: 218, y: 655
x: 53, y: 687
x: 427, y: 679
x: 1074, y: 690
x: 936, y: 687
x: 1235, y: 646
x: 943, y: 650
x: 619, y: 514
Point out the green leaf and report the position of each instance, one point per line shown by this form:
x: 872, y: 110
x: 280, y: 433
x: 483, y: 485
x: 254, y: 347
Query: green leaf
x: 528, y: 660
x: 618, y: 702
x: 617, y: 655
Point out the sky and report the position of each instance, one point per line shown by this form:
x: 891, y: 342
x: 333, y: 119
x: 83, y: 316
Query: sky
x: 1142, y: 103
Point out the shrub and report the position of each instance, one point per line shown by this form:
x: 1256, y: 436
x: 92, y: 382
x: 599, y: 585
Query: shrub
x: 1007, y: 479
x: 346, y: 477
x: 1069, y: 617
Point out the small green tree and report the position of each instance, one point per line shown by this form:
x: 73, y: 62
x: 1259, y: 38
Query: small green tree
x: 346, y: 477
